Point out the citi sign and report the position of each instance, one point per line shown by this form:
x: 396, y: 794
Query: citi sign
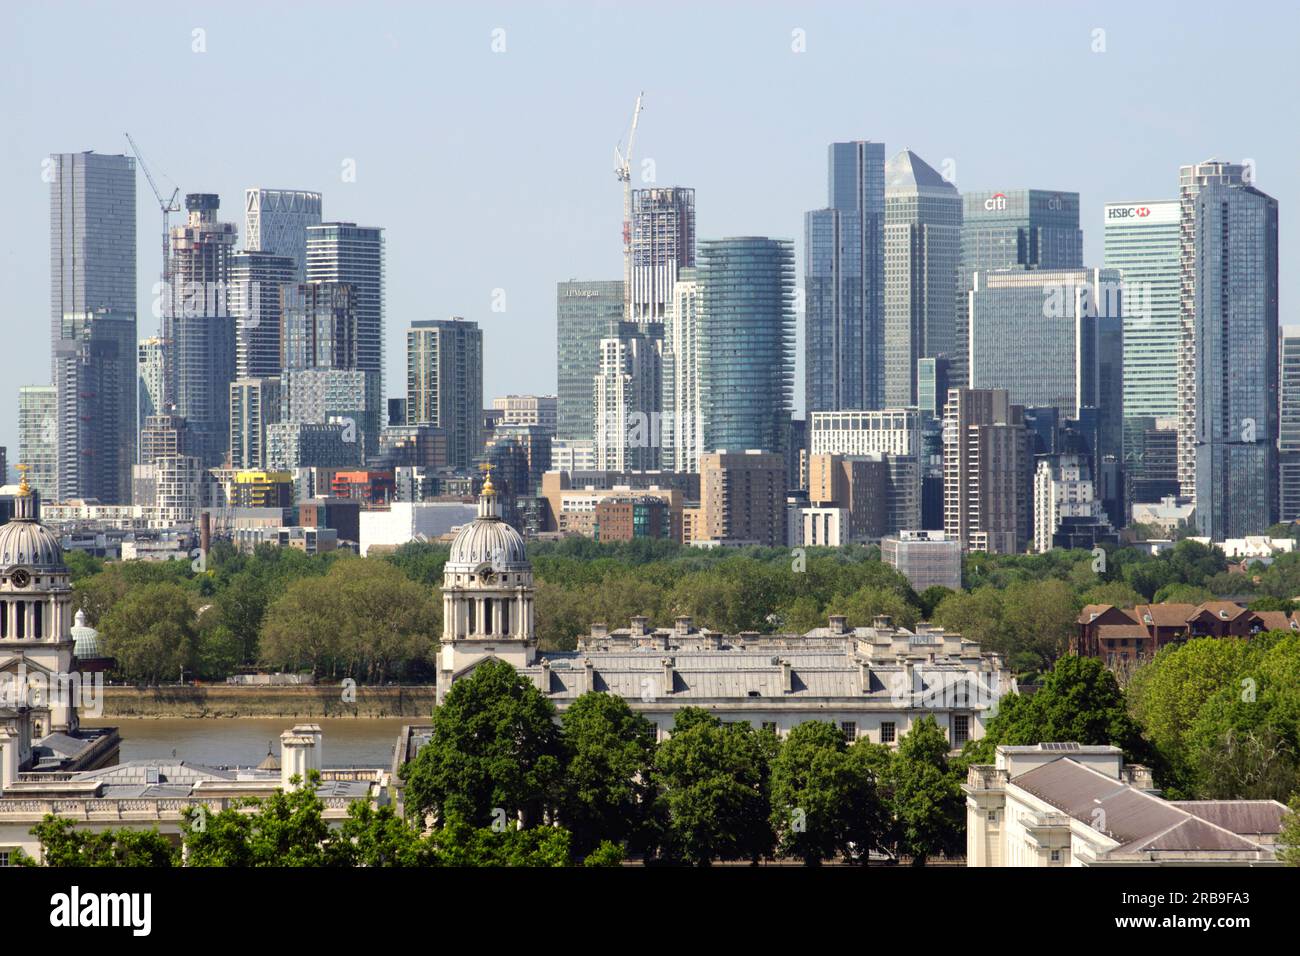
x: 997, y: 201
x: 1128, y: 212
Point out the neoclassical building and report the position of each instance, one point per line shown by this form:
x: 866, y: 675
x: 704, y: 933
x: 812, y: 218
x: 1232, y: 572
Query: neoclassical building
x: 487, y: 596
x: 873, y: 682
x: 39, y: 683
x: 1066, y: 804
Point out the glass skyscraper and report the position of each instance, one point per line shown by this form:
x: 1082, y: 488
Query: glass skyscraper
x: 844, y: 271
x: 1013, y: 229
x: 922, y: 261
x: 1142, y: 243
x: 1067, y: 331
x: 93, y: 324
x: 583, y: 313
x: 1235, y: 333
x: 1289, y: 427
x: 746, y: 339
x: 346, y: 252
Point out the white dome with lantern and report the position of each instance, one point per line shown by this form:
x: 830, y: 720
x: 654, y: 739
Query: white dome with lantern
x: 487, y: 596
x: 488, y: 540
x: 36, y: 609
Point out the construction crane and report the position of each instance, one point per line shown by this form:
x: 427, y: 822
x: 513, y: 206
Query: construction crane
x: 623, y: 170
x: 167, y: 206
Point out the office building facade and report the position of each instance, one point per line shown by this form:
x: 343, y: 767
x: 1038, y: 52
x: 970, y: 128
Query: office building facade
x: 92, y: 311
x: 1067, y: 326
x: 742, y: 499
x: 95, y: 375
x: 1142, y: 243
x: 1016, y: 229
x: 927, y: 558
x: 923, y: 216
x: 844, y: 283
x: 583, y: 312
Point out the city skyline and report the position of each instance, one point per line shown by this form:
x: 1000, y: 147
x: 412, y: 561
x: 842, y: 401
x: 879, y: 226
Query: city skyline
x: 498, y: 196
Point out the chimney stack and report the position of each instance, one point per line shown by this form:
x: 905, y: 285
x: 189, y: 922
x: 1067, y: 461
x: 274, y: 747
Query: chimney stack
x: 300, y: 753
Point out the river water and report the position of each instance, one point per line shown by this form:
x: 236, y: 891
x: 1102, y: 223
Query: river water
x: 243, y: 741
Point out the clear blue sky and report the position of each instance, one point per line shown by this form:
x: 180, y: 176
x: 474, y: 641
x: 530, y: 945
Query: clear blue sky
x: 495, y: 170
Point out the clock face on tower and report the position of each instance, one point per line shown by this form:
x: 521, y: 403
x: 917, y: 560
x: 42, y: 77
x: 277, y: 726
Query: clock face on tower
x: 20, y: 578
x: 485, y: 573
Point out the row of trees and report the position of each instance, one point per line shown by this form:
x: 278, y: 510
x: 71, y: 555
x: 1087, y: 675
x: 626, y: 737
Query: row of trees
x: 379, y: 618
x: 712, y: 791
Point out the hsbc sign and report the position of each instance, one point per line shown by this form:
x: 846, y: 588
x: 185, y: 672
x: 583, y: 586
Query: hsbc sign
x: 1164, y: 211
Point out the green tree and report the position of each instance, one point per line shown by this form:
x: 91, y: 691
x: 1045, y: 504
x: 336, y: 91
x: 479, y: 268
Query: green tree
x: 824, y: 801
x: 1167, y: 696
x: 378, y: 837
x: 62, y: 844
x: 929, y: 599
x: 1288, y: 840
x: 284, y: 829
x: 1079, y: 701
x: 1115, y: 593
x: 495, y: 746
x: 607, y: 795
x: 457, y: 843
x: 926, y: 798
x: 151, y: 632
x: 714, y: 787
x: 862, y: 606
x: 976, y: 615
x: 1038, y: 619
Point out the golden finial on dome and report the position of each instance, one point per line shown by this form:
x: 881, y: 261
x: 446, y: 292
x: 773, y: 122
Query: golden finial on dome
x: 487, y: 488
x: 24, y: 488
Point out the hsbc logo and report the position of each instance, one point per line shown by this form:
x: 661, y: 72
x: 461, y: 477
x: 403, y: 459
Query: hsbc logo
x: 1128, y: 212
x: 996, y: 202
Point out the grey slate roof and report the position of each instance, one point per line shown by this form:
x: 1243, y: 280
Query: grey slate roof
x: 1250, y: 818
x: 1139, y: 821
